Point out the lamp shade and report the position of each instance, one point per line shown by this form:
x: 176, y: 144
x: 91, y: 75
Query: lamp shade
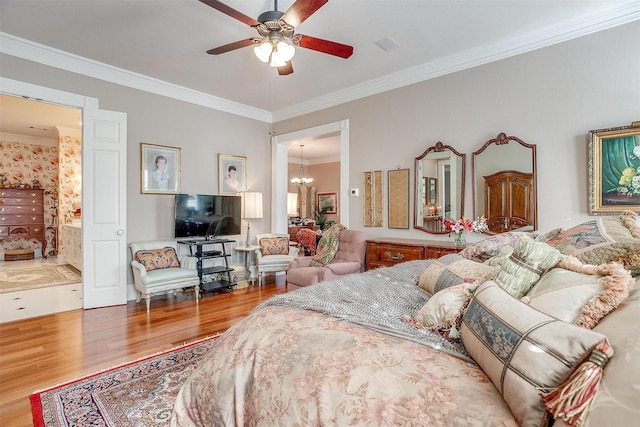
x: 292, y: 204
x: 251, y: 204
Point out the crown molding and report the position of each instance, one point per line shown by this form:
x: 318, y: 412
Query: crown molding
x: 36, y: 52
x: 608, y: 16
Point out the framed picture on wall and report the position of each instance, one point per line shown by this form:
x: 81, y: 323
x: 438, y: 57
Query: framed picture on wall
x: 159, y: 169
x: 232, y: 175
x: 614, y: 170
x: 328, y: 201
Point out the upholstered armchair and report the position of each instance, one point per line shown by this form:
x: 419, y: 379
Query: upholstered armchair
x: 158, y: 268
x: 274, y: 253
x: 348, y: 259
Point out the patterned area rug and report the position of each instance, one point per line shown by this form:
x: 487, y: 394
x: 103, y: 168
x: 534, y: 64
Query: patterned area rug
x: 139, y: 393
x: 23, y: 279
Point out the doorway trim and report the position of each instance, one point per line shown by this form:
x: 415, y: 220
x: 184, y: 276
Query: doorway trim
x: 279, y: 170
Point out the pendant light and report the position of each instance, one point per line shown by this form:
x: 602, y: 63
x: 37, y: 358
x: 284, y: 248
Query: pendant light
x: 301, y: 180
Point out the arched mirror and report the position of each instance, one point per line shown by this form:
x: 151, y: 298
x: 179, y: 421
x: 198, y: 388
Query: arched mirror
x: 439, y: 184
x: 504, y: 184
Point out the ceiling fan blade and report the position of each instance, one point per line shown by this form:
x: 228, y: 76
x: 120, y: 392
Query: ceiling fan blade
x: 301, y: 10
x: 231, y: 46
x: 221, y: 7
x: 326, y: 46
x: 286, y: 69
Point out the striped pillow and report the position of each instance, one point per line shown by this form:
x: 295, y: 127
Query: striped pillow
x: 524, y: 352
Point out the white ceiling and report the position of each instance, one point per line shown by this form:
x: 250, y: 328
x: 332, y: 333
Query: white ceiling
x: 150, y: 42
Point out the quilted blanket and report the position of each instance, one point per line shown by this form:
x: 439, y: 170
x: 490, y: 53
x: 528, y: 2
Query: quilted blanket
x: 290, y: 365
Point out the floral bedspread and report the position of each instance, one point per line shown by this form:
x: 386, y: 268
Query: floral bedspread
x: 285, y: 366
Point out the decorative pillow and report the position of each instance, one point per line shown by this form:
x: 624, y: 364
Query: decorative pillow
x: 274, y: 245
x: 580, y: 294
x: 155, y: 259
x: 452, y: 269
x: 492, y: 246
x: 442, y: 313
x: 524, y: 266
x: 526, y: 353
x: 601, y: 240
x: 327, y: 246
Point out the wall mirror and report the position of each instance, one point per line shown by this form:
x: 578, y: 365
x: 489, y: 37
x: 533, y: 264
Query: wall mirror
x: 439, y: 184
x: 505, y: 184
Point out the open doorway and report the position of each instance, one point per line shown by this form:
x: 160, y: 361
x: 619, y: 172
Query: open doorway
x: 41, y: 150
x: 280, y: 172
x: 104, y: 143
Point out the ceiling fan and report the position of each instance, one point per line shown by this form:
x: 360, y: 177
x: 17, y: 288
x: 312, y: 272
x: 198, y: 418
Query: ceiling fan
x: 277, y: 36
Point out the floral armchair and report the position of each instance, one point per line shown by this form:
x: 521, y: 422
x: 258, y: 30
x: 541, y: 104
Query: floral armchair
x: 274, y: 253
x: 158, y: 268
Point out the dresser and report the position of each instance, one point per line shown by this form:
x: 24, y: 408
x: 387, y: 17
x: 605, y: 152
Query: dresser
x: 385, y: 252
x: 22, y: 214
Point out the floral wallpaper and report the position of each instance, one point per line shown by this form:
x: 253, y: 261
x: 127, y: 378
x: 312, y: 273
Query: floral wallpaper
x: 70, y: 174
x: 55, y: 168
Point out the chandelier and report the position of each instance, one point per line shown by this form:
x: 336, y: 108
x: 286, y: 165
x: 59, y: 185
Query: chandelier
x: 301, y: 180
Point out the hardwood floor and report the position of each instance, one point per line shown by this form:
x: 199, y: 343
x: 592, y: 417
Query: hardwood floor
x: 45, y: 351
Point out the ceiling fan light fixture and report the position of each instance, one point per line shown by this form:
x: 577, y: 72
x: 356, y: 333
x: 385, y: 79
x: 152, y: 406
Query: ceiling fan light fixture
x: 263, y: 51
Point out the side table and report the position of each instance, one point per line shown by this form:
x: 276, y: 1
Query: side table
x: 249, y: 252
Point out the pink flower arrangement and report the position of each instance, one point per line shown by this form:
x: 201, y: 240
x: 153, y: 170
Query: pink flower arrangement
x: 461, y: 225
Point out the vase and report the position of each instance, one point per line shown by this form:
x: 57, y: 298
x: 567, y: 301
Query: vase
x: 459, y: 242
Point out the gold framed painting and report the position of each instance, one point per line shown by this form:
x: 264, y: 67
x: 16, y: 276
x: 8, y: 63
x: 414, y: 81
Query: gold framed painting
x: 159, y: 169
x: 614, y: 170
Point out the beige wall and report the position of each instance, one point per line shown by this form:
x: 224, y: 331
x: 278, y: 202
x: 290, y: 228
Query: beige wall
x: 201, y: 133
x: 550, y: 97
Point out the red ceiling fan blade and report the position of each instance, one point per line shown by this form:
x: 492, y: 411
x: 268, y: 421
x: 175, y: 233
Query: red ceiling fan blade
x: 301, y: 10
x: 231, y: 12
x: 231, y: 46
x: 286, y: 69
x: 326, y: 46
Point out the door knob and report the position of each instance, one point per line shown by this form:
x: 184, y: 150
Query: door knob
x: 120, y: 232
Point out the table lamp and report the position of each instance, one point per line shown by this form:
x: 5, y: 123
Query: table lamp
x: 251, y: 209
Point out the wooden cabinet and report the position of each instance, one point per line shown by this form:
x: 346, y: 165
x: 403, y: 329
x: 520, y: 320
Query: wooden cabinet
x: 508, y: 198
x: 22, y: 214
x: 386, y: 252
x: 72, y: 245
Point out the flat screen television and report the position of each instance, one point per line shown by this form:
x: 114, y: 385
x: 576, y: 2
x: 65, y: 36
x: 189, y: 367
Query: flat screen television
x: 206, y: 216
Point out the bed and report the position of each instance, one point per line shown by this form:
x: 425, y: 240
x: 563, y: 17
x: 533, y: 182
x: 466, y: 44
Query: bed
x: 356, y: 351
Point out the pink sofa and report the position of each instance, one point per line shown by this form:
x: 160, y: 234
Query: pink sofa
x: 349, y: 259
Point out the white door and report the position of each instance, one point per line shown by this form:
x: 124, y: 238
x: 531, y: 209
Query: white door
x: 104, y: 179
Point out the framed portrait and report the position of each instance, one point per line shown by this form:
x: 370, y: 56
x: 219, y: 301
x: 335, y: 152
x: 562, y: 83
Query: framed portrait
x: 614, y: 170
x: 159, y: 169
x: 328, y: 201
x: 232, y: 174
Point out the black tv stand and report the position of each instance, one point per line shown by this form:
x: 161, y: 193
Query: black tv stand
x: 207, y: 274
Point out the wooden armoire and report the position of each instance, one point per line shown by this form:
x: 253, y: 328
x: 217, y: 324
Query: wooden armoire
x: 509, y: 200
